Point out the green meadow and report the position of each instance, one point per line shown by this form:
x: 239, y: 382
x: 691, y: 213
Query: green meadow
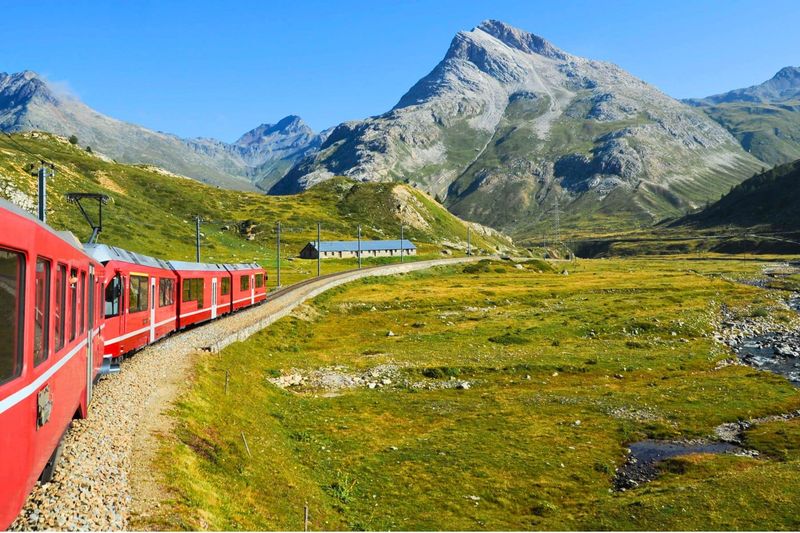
x: 562, y: 371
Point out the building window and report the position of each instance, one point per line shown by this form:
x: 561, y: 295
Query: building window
x: 41, y: 319
x: 166, y: 292
x: 12, y: 283
x: 138, y: 294
x: 113, y: 296
x: 225, y: 286
x: 193, y: 291
x: 244, y: 282
x: 259, y: 281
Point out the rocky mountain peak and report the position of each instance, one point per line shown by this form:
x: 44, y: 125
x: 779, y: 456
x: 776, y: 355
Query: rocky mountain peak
x: 783, y: 86
x: 520, y: 39
x: 291, y: 126
x: 19, y: 88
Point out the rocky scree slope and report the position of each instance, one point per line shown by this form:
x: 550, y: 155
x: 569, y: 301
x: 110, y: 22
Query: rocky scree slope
x: 765, y: 118
x: 258, y: 158
x: 507, y: 122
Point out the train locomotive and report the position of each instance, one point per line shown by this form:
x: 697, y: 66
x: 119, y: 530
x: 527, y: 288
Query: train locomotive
x: 69, y: 312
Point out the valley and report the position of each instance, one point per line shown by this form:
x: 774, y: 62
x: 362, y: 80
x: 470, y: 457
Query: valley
x: 491, y: 396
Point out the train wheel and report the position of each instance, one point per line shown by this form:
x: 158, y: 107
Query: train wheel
x: 49, y: 469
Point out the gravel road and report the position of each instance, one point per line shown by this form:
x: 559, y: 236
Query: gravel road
x: 103, y: 475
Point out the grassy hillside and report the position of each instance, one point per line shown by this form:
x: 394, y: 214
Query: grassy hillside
x: 769, y: 131
x: 152, y: 211
x: 563, y: 371
x: 770, y: 199
x: 507, y: 185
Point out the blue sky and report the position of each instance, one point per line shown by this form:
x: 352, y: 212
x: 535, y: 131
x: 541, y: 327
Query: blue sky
x: 218, y: 69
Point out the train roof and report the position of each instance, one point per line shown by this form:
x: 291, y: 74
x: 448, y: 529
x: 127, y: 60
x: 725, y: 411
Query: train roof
x: 105, y: 253
x: 66, y: 236
x: 189, y: 265
x: 243, y: 266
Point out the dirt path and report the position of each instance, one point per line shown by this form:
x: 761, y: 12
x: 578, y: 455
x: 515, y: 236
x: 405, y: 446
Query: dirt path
x: 104, y: 480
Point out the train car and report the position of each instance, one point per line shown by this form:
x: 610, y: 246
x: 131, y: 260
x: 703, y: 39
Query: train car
x: 249, y: 282
x: 140, y: 304
x: 51, y: 348
x: 203, y: 292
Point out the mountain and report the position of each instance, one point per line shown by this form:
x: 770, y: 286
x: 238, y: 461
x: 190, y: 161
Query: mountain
x: 507, y: 124
x: 270, y: 150
x: 261, y: 156
x: 152, y: 211
x: 765, y: 118
x: 768, y: 199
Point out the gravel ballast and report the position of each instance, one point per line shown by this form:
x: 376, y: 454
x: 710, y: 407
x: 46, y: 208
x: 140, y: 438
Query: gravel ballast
x: 96, y: 480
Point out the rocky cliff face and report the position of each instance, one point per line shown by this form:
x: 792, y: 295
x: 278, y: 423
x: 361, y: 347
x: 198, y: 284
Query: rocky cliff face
x: 260, y: 157
x: 765, y: 118
x: 507, y: 122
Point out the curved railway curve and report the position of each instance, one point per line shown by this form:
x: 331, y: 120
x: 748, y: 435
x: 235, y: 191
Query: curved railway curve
x: 103, y: 478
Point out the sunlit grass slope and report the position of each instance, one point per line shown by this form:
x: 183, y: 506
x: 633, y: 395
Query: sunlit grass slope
x: 564, y: 371
x: 153, y: 212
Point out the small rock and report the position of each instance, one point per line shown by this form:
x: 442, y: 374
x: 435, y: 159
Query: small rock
x: 463, y: 385
x: 390, y: 333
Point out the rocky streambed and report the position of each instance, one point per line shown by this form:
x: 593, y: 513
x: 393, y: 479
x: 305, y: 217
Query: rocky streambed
x: 764, y: 344
x: 759, y: 342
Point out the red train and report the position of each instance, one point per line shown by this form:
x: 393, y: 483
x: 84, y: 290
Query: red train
x: 68, y: 314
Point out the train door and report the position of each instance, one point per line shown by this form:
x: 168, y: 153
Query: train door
x: 152, y: 309
x: 114, y: 296
x: 252, y: 289
x: 213, y: 297
x: 90, y: 338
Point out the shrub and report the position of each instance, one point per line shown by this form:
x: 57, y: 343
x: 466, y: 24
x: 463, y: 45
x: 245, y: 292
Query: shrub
x: 342, y: 487
x: 73, y: 139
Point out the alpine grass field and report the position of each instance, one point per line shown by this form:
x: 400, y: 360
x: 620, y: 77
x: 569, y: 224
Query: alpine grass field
x: 493, y: 396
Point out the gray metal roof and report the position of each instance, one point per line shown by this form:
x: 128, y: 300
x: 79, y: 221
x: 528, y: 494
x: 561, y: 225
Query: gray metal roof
x: 105, y: 253
x: 366, y: 246
x: 188, y: 265
x: 242, y: 266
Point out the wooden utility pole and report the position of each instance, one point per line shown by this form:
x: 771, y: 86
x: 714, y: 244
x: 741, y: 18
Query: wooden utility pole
x: 197, y: 220
x: 319, y: 249
x: 278, y: 255
x: 401, y: 243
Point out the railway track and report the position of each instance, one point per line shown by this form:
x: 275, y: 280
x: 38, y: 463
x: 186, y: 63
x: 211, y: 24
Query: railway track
x: 104, y: 479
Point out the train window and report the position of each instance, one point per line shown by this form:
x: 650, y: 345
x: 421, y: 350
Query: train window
x: 166, y: 292
x: 193, y: 291
x: 225, y: 286
x: 259, y: 281
x: 73, y: 304
x: 12, y: 282
x: 113, y: 296
x: 41, y: 321
x: 61, y: 305
x: 138, y: 293
x: 82, y: 314
x: 244, y: 282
